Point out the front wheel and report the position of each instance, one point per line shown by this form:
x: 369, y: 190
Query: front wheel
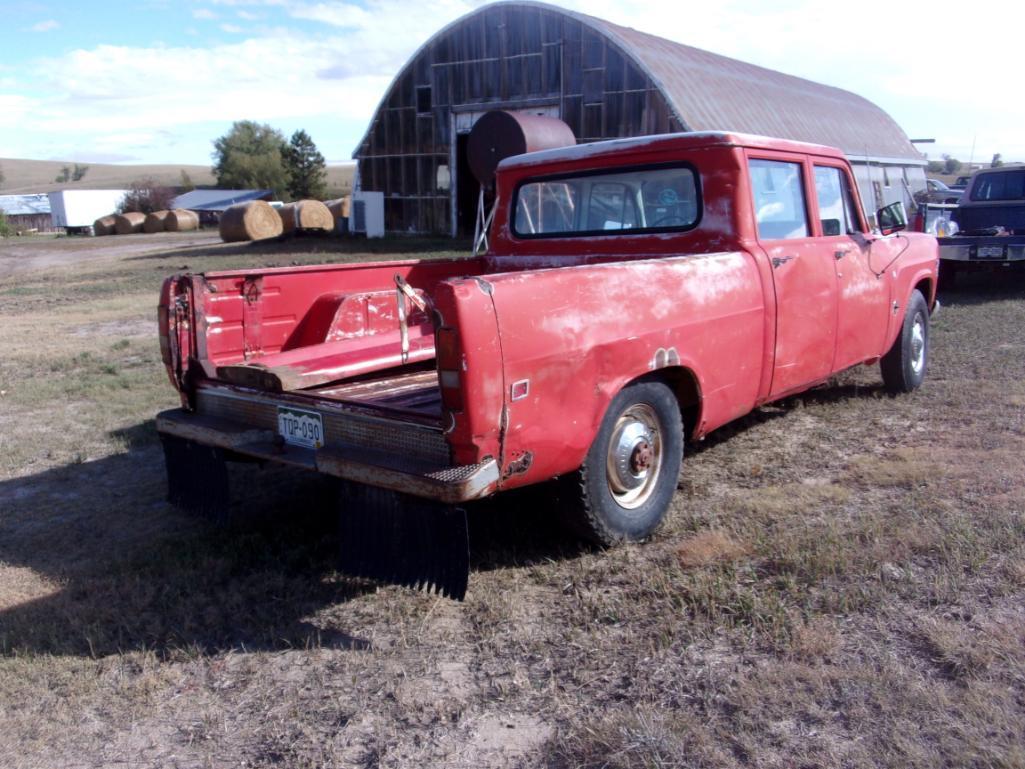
x: 624, y: 488
x: 904, y: 366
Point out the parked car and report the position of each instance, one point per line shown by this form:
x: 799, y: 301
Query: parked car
x: 990, y: 218
x: 635, y: 293
x: 960, y: 183
x: 938, y: 192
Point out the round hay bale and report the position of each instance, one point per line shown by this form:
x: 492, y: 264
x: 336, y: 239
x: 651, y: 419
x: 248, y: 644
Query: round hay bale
x: 125, y: 224
x: 104, y: 225
x: 339, y: 207
x: 255, y: 220
x: 155, y: 222
x: 306, y: 216
x: 181, y: 220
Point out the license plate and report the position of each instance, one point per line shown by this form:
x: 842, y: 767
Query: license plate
x: 300, y: 427
x: 991, y: 252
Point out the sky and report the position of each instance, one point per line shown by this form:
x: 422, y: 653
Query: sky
x: 156, y: 81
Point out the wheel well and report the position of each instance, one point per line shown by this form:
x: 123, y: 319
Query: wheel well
x: 925, y: 286
x: 684, y: 384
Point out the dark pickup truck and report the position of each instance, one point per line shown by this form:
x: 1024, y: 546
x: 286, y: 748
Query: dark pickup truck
x: 991, y: 223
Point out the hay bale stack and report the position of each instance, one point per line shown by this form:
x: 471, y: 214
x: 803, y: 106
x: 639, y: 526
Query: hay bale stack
x: 181, y: 220
x: 339, y: 207
x: 306, y: 216
x: 104, y: 225
x: 155, y: 222
x: 125, y: 224
x: 255, y: 220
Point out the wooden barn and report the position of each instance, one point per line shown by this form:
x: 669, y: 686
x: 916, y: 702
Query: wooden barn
x: 28, y: 213
x: 605, y: 81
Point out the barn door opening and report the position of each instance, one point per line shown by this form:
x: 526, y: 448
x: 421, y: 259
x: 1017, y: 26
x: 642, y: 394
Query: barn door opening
x: 467, y: 190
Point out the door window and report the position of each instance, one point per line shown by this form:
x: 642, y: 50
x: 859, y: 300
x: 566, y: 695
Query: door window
x: 836, y: 206
x: 780, y: 208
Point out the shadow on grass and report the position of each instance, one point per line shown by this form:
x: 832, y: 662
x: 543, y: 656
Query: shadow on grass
x: 319, y: 248
x: 983, y: 284
x: 115, y: 568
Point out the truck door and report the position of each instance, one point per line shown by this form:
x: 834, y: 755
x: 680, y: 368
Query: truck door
x: 863, y: 300
x: 803, y: 273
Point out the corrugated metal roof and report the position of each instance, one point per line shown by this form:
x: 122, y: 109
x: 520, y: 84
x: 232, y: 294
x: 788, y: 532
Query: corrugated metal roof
x: 218, y: 200
x: 710, y: 92
x: 25, y: 205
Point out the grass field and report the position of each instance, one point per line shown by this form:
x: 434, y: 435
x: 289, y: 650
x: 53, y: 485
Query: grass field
x: 840, y: 584
x: 29, y: 176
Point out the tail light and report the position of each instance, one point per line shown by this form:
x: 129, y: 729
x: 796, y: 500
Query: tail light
x: 450, y: 368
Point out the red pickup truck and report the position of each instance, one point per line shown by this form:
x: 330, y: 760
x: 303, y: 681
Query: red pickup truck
x: 635, y: 293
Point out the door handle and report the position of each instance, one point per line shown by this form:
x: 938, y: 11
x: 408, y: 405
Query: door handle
x: 838, y: 255
x: 780, y: 260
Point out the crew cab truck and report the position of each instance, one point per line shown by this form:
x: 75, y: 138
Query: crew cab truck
x: 635, y: 293
x: 990, y: 219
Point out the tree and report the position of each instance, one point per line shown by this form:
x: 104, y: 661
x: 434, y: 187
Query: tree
x: 78, y: 172
x: 251, y: 155
x: 64, y: 175
x: 146, y: 196
x: 935, y: 167
x: 998, y: 160
x: 307, y: 170
x: 2, y: 177
x: 186, y: 183
x: 951, y: 165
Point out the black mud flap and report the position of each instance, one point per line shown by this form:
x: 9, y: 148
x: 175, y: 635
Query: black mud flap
x: 403, y: 540
x: 197, y: 478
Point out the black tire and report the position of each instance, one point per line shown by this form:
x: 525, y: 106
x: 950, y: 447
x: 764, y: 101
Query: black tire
x: 603, y: 509
x: 905, y: 365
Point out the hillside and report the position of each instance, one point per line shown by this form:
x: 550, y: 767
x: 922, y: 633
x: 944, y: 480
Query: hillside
x: 28, y: 176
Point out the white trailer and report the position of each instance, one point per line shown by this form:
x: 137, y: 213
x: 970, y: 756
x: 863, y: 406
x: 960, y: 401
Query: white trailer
x: 80, y: 208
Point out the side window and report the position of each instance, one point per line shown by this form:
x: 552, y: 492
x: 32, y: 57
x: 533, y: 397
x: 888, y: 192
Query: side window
x: 780, y: 207
x: 836, y: 205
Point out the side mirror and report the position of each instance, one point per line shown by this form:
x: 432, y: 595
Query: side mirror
x: 892, y: 218
x: 830, y: 227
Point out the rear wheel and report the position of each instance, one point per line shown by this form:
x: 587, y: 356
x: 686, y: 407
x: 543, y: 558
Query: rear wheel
x: 904, y: 366
x: 624, y: 488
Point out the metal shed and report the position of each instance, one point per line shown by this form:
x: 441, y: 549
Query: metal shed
x: 605, y: 81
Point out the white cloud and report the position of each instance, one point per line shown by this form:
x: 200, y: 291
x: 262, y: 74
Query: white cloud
x: 46, y: 26
x: 333, y: 61
x: 231, y: 29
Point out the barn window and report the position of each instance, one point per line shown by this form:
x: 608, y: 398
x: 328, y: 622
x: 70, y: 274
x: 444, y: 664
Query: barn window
x: 423, y: 99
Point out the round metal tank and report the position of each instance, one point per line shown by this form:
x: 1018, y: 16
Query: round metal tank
x: 499, y: 134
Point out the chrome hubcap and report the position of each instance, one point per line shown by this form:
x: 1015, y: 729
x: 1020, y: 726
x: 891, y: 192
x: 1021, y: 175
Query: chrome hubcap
x: 918, y: 345
x: 634, y: 456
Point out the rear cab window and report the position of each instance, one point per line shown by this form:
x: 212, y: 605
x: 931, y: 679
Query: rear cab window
x: 1002, y: 185
x: 627, y: 201
x: 781, y: 210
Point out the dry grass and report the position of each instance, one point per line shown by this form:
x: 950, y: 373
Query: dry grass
x: 841, y: 582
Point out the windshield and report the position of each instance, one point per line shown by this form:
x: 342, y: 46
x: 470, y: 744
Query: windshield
x: 626, y: 201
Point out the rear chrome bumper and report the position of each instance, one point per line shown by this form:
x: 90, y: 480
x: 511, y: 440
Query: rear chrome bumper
x: 362, y: 464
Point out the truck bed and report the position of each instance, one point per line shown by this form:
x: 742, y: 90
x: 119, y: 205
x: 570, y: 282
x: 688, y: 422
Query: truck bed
x: 411, y: 392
